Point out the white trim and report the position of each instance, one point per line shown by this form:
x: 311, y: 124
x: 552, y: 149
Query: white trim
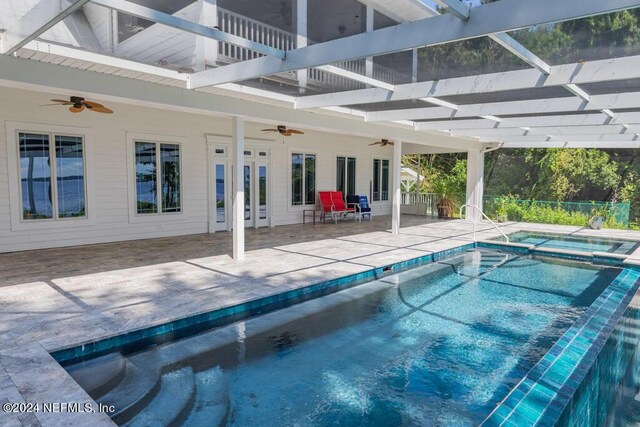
x: 389, y: 184
x: 13, y: 158
x: 134, y: 217
x: 304, y: 205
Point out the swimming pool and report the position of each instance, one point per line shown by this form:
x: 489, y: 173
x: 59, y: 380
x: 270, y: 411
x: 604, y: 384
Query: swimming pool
x: 572, y: 242
x: 440, y: 344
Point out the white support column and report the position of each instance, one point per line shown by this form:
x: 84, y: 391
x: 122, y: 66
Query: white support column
x: 395, y: 209
x: 238, y: 188
x: 369, y: 61
x: 475, y: 183
x: 206, y: 48
x: 302, y: 30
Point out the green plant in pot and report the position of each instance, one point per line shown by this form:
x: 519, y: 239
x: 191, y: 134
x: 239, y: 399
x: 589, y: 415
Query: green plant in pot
x: 446, y: 192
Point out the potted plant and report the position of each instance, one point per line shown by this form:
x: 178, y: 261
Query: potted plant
x: 445, y: 191
x: 598, y: 218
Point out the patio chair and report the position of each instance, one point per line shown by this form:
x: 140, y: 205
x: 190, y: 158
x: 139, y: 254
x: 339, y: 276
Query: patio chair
x: 353, y: 201
x: 365, y: 209
x: 339, y: 207
x: 326, y: 205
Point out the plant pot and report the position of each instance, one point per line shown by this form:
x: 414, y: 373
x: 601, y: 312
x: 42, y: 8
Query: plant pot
x: 597, y: 222
x: 501, y: 218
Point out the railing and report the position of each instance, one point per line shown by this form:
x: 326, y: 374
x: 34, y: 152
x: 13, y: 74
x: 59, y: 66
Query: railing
x: 253, y: 30
x: 259, y: 32
x: 428, y: 200
x: 475, y: 224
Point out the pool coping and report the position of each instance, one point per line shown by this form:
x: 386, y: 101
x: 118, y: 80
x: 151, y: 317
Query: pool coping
x: 516, y: 406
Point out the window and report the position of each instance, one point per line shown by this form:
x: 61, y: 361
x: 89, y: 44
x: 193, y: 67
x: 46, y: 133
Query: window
x: 346, y: 175
x: 42, y: 164
x: 157, y: 178
x: 380, y: 180
x: 129, y: 25
x: 303, y: 179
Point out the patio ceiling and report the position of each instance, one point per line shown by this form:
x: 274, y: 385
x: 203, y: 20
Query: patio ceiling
x: 532, y: 103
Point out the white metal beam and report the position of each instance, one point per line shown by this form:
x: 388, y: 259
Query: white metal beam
x: 559, y: 120
x: 548, y: 105
x: 513, y: 46
x: 188, y: 26
x: 575, y: 89
x: 589, y: 72
x: 44, y: 15
x: 562, y: 138
x: 455, y: 7
x: 549, y: 130
x: 502, y: 16
x: 355, y: 76
x: 572, y: 144
x: 397, y: 192
x: 238, y: 188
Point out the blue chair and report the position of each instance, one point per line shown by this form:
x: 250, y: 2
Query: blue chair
x: 365, y: 209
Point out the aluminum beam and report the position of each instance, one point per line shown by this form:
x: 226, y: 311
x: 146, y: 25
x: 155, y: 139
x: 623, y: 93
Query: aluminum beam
x: 549, y: 130
x: 536, y: 106
x: 572, y: 144
x: 589, y: 72
x: 513, y: 46
x: 36, y: 21
x: 455, y: 7
x: 560, y: 120
x: 506, y: 15
x: 188, y: 26
x: 561, y: 138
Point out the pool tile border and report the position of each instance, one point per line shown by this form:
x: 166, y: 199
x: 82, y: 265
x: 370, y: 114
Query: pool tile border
x: 199, y: 322
x: 542, y: 395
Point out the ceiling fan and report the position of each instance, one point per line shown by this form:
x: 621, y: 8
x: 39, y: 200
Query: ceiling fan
x: 382, y: 143
x: 284, y: 131
x: 78, y: 104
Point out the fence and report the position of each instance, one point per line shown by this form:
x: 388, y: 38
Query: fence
x: 554, y: 212
x: 420, y: 204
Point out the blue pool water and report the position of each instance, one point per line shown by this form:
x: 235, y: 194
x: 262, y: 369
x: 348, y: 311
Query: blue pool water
x: 575, y: 243
x: 438, y: 345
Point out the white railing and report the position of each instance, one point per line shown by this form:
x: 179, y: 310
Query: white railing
x: 259, y: 32
x: 253, y: 30
x: 475, y: 223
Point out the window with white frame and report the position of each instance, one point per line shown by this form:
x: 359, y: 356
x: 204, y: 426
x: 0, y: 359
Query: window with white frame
x: 157, y: 185
x: 380, y: 180
x: 346, y: 175
x: 303, y: 179
x: 52, y: 176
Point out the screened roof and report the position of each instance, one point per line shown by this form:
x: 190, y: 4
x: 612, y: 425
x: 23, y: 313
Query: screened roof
x: 517, y: 72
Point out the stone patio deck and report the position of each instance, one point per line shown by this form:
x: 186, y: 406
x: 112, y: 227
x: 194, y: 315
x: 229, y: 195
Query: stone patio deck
x: 58, y: 298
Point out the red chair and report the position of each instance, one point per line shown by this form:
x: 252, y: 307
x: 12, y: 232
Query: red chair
x: 339, y: 207
x: 326, y: 205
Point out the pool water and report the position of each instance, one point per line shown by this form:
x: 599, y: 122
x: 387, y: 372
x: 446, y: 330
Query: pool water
x: 575, y: 243
x: 438, y: 345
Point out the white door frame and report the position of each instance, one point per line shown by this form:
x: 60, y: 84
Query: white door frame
x: 218, y: 152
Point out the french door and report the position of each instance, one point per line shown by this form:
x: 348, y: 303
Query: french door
x: 256, y: 177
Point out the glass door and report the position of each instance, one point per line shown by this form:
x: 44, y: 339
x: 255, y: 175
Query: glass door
x: 262, y: 194
x: 221, y: 209
x: 248, y: 200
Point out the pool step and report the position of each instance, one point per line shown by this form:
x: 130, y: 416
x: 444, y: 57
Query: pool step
x: 212, y: 401
x: 138, y: 387
x: 98, y: 376
x: 172, y: 404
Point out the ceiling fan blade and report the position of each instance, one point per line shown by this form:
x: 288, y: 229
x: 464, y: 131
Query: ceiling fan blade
x: 62, y: 101
x: 390, y: 143
x: 287, y: 133
x: 297, y: 132
x: 270, y: 130
x: 104, y: 110
x: 90, y: 104
x: 376, y: 143
x: 76, y: 110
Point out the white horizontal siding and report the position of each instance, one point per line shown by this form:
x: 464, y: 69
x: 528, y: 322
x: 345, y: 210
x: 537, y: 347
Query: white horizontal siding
x: 110, y: 181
